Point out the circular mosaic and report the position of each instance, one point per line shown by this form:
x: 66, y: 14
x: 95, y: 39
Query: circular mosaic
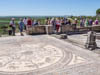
x: 26, y: 57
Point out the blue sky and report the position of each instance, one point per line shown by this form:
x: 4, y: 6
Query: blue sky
x: 48, y: 7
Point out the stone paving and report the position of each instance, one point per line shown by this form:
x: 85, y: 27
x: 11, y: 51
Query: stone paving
x: 81, y: 39
x: 45, y: 55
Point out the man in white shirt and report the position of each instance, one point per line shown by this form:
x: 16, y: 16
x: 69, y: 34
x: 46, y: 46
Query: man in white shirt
x: 13, y: 26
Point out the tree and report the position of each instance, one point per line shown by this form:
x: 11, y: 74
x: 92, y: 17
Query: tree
x: 98, y: 11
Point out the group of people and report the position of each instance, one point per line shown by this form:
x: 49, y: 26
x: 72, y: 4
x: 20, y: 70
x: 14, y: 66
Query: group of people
x: 82, y: 22
x: 57, y: 23
x: 23, y: 24
x: 88, y: 22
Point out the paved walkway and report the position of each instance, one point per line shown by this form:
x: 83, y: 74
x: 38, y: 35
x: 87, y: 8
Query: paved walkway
x: 45, y: 55
x: 81, y: 39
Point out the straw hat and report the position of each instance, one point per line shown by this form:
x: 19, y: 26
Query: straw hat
x: 75, y: 18
x: 13, y: 18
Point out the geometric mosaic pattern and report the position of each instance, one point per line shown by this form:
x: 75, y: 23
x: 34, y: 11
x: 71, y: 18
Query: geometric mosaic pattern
x: 38, y: 55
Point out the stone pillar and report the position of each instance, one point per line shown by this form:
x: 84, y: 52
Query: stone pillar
x: 47, y: 30
x: 91, y: 41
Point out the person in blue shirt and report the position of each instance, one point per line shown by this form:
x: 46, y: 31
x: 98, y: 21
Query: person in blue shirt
x: 21, y: 26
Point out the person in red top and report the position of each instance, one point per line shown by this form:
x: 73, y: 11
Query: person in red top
x: 29, y: 22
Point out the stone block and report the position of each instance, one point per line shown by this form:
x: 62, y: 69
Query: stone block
x: 63, y: 36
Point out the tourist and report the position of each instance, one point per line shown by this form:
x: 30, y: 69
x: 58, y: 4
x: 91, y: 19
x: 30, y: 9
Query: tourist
x: 10, y: 30
x: 39, y: 22
x: 96, y: 21
x: 65, y: 21
x: 90, y: 22
x: 13, y: 26
x: 62, y: 21
x: 32, y: 22
x: 21, y: 26
x: 58, y: 24
x: 53, y: 23
x: 93, y: 22
x: 75, y: 24
x: 81, y: 23
x: 29, y: 23
x: 68, y: 22
x: 46, y: 21
x: 35, y: 22
x: 25, y: 22
x: 86, y: 22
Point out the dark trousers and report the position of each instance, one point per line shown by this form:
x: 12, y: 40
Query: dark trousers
x: 10, y: 32
x: 13, y: 31
x: 25, y: 27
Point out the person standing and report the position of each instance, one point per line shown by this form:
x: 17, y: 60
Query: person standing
x: 90, y: 22
x: 75, y: 24
x: 35, y: 22
x: 58, y: 24
x: 21, y: 26
x: 86, y: 23
x: 25, y: 22
x: 46, y: 21
x: 53, y: 23
x: 29, y: 22
x: 13, y: 26
x: 96, y: 21
x: 68, y: 22
x: 39, y: 22
x: 82, y: 23
x: 62, y: 21
x: 29, y: 25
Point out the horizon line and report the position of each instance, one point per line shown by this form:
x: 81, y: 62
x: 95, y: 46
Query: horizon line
x: 41, y: 15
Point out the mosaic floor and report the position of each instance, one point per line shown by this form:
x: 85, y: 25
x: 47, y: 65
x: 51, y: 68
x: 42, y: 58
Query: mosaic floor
x: 43, y: 55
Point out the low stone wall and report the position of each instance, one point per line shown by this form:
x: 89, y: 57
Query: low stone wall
x: 36, y: 30
x: 94, y: 27
x: 43, y: 29
x: 66, y: 28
